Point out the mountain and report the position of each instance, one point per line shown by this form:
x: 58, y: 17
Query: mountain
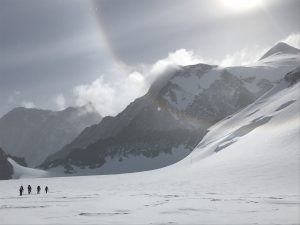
x: 163, y: 126
x: 281, y: 48
x: 257, y: 148
x: 246, y: 168
x: 34, y: 133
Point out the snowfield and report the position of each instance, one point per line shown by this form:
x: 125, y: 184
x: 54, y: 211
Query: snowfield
x: 244, y: 171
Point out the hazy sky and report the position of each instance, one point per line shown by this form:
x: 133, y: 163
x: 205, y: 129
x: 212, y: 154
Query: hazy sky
x: 56, y: 53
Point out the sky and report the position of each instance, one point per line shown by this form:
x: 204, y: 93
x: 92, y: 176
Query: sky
x: 60, y: 53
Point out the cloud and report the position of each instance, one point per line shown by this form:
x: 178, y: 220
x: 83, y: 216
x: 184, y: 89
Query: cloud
x: 293, y: 40
x: 251, y: 55
x: 60, y: 101
x: 28, y: 104
x: 12, y: 98
x: 181, y: 57
x: 243, y: 57
x: 111, y: 97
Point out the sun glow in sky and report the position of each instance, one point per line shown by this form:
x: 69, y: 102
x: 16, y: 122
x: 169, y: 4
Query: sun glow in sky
x: 241, y: 5
x: 60, y: 53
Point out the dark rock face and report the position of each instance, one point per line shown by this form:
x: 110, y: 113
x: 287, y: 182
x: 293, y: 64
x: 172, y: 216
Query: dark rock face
x: 293, y: 76
x: 141, y: 130
x: 6, y: 169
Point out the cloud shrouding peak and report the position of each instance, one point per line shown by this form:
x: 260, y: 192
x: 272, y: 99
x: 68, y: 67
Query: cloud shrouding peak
x: 293, y: 40
x: 109, y: 98
x: 181, y: 57
x: 243, y: 57
x: 28, y: 104
x: 251, y: 54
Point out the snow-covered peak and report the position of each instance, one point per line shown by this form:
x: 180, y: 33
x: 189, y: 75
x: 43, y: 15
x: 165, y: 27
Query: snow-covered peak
x: 281, y: 48
x: 192, y: 83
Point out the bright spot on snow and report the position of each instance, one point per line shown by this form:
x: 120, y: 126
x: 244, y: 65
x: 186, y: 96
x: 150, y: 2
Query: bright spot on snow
x: 158, y: 108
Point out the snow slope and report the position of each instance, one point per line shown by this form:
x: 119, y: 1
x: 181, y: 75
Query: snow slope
x: 244, y: 171
x: 257, y: 147
x: 25, y: 172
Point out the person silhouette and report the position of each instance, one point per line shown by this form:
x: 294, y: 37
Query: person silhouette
x: 21, y: 190
x: 29, y: 189
x: 38, y: 189
x: 46, y: 189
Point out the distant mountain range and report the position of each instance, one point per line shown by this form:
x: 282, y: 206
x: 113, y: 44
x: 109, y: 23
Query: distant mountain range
x: 163, y: 126
x: 154, y: 131
x: 34, y: 134
x: 228, y: 138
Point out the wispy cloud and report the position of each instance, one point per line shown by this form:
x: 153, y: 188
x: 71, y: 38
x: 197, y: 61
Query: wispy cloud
x: 28, y: 104
x: 12, y: 98
x: 60, y: 101
x: 250, y: 55
x: 243, y: 57
x: 110, y: 97
x: 293, y: 40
